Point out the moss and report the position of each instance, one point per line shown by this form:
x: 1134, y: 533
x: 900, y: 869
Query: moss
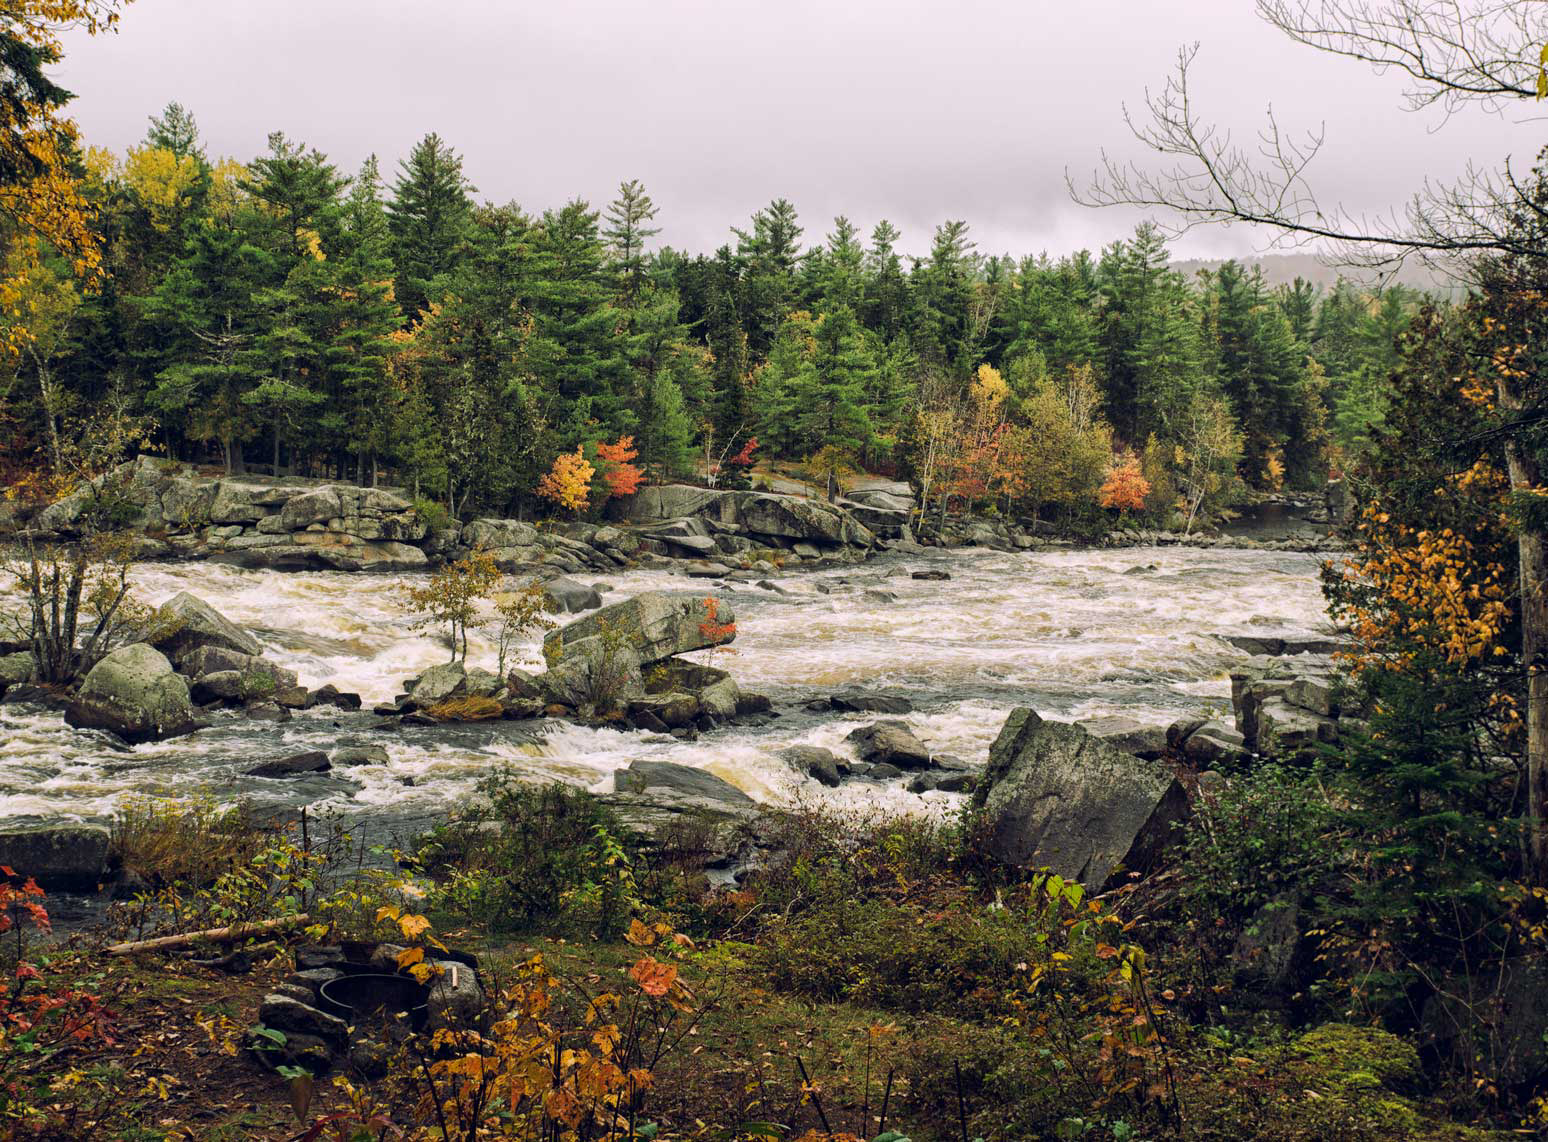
x: 1347, y: 1058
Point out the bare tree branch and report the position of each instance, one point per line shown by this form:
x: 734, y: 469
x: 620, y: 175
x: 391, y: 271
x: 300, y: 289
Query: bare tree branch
x: 1454, y: 53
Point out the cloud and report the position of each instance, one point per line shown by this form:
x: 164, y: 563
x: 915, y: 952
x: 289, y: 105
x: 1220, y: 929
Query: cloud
x: 913, y: 110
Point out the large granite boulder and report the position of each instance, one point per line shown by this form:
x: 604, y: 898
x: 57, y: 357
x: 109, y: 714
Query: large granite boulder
x: 185, y: 623
x: 135, y: 693
x: 789, y: 519
x: 653, y: 626
x: 59, y: 857
x: 1055, y: 797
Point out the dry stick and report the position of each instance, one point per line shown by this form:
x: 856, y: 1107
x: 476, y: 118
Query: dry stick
x: 229, y: 935
x: 816, y: 1098
x: 961, y: 1104
x: 886, y: 1098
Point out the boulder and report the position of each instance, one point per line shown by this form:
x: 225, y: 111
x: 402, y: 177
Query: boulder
x: 1054, y: 796
x: 567, y: 596
x: 679, y: 782
x: 455, y: 1001
x: 71, y: 858
x: 889, y: 743
x: 15, y: 669
x: 185, y: 622
x: 1497, y: 1019
x: 1313, y: 694
x: 135, y: 693
x: 592, y: 673
x: 291, y: 1016
x: 1285, y: 731
x: 330, y: 695
x: 871, y: 704
x: 1129, y: 735
x: 822, y: 765
x: 481, y: 683
x: 654, y: 626
x: 715, y: 690
x: 931, y: 576
x: 1265, y: 956
x: 1215, y: 742
x: 437, y: 684
x: 360, y: 755
x: 312, y: 761
x: 671, y: 710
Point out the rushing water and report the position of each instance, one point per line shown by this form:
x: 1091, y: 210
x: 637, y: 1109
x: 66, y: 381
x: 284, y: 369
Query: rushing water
x: 1073, y: 634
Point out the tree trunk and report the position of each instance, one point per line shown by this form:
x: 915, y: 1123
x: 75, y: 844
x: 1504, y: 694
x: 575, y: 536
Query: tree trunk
x: 275, y: 471
x: 46, y: 392
x: 1532, y: 551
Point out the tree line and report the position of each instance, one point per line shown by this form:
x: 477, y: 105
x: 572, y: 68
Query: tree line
x: 284, y: 316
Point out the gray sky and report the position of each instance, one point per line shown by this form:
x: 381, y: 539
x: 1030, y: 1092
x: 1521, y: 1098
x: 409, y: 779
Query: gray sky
x: 912, y: 110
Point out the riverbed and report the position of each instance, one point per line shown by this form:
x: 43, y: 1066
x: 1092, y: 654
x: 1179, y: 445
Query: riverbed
x: 1073, y: 633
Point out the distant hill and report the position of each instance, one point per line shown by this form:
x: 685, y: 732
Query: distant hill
x: 1283, y: 269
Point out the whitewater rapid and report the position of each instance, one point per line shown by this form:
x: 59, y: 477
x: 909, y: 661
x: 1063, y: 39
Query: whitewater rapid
x: 1072, y: 633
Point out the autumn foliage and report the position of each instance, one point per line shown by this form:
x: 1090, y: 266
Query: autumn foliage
x: 1126, y: 486
x: 568, y: 483
x: 620, y: 475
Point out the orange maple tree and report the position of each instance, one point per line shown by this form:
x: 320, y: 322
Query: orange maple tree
x: 620, y: 475
x: 1126, y: 486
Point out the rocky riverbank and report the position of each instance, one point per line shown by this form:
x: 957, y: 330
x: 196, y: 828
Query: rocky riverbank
x: 288, y: 524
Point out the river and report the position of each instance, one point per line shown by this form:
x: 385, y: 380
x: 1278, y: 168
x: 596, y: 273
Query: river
x: 1072, y: 633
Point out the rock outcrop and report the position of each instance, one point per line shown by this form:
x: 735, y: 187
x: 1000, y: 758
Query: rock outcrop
x: 59, y: 857
x: 135, y: 693
x: 1056, y: 797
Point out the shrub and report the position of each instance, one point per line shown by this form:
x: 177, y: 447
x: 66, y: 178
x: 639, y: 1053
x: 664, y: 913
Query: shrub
x: 528, y: 855
x: 467, y: 709
x: 433, y: 514
x: 167, y: 840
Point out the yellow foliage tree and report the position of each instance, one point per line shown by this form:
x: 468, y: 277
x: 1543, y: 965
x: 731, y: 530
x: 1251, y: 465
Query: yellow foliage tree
x: 39, y: 193
x: 568, y: 483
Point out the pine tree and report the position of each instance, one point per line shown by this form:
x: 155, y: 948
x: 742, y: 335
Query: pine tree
x: 362, y: 316
x: 429, y: 214
x: 175, y: 130
x: 830, y: 398
x: 628, y: 229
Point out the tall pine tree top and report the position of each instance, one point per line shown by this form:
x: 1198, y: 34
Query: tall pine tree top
x: 429, y: 214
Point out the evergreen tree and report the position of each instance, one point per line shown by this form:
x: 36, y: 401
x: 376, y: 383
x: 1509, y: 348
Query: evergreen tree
x: 830, y: 397
x: 429, y: 214
x: 175, y: 130
x: 628, y: 229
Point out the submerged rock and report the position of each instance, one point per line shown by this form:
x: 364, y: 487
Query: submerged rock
x: 312, y: 761
x: 135, y: 693
x: 1056, y: 797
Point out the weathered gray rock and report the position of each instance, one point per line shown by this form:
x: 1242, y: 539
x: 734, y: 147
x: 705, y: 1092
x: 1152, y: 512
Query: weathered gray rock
x: 293, y: 1017
x: 1314, y: 694
x: 715, y: 690
x: 653, y: 626
x: 1286, y: 731
x: 437, y: 684
x: 889, y: 743
x: 789, y: 519
x: 481, y: 683
x: 567, y: 596
x: 135, y: 693
x: 591, y: 673
x: 822, y: 765
x: 59, y: 857
x: 185, y: 622
x: 871, y: 703
x: 1129, y: 735
x: 15, y: 669
x: 1264, y: 957
x: 1213, y: 743
x: 1054, y: 796
x: 671, y: 709
x: 455, y: 1000
x: 312, y: 761
x: 360, y: 755
x: 680, y: 782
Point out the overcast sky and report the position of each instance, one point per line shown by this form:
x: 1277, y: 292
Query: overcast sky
x: 911, y: 110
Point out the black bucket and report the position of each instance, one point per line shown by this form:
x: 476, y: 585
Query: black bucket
x: 370, y: 998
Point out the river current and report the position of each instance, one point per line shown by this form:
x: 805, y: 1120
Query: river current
x: 1073, y: 633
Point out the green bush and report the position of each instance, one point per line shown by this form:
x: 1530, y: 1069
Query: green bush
x: 527, y: 855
